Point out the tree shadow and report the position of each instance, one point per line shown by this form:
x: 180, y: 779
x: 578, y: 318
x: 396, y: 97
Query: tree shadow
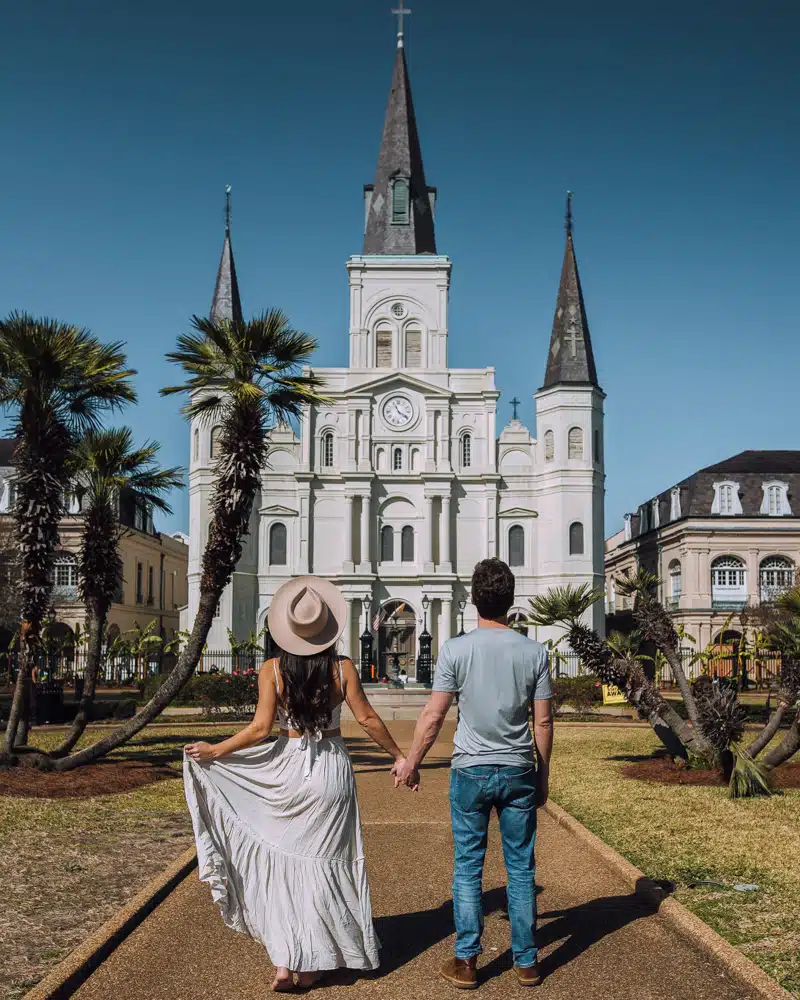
x: 637, y: 758
x: 578, y: 928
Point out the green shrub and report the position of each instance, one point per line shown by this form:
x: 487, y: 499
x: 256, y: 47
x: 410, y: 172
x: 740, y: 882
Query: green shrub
x: 216, y: 693
x: 580, y: 693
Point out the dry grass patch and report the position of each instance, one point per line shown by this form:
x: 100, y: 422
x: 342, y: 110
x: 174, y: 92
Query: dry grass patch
x: 67, y: 865
x: 691, y: 833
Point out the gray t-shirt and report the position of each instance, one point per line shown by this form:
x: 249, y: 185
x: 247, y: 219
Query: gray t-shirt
x: 496, y: 673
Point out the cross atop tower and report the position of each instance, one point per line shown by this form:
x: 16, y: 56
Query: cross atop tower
x: 401, y: 12
x: 227, y: 208
x: 568, y: 216
x: 515, y: 403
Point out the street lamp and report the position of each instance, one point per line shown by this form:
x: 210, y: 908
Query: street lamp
x: 425, y: 659
x: 461, y: 606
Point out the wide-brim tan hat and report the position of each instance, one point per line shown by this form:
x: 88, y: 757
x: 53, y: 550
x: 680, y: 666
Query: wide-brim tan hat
x: 307, y: 615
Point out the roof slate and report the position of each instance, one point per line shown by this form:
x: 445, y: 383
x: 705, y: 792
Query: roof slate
x: 570, y: 358
x: 226, y: 304
x: 400, y: 155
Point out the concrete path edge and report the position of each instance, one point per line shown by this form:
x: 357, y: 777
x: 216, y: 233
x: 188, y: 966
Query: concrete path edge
x: 677, y: 916
x: 67, y: 976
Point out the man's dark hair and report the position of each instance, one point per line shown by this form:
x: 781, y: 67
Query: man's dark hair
x: 492, y: 588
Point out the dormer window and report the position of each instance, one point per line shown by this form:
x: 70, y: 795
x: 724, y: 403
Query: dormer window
x: 628, y: 527
x: 776, y: 501
x: 656, y: 513
x: 726, y: 499
x: 675, y: 504
x: 400, y: 202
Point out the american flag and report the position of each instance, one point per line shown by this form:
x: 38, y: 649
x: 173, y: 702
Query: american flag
x: 382, y: 616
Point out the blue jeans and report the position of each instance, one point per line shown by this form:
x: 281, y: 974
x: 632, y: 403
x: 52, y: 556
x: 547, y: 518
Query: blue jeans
x: 474, y: 792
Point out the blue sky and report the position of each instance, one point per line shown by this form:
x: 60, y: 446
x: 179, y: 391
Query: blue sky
x: 676, y: 127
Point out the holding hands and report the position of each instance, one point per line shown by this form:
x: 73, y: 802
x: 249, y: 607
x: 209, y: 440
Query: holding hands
x: 405, y: 773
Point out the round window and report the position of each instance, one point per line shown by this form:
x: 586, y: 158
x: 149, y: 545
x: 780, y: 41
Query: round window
x: 398, y: 310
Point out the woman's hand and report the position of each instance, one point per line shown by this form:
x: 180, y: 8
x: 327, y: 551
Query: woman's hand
x: 405, y: 773
x: 201, y: 751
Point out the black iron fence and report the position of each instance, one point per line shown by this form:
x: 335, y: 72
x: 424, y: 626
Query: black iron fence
x: 125, y: 670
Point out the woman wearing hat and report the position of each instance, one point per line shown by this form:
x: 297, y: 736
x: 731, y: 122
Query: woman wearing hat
x: 277, y: 824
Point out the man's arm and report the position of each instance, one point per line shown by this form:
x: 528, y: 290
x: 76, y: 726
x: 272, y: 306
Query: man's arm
x: 427, y: 729
x: 543, y: 738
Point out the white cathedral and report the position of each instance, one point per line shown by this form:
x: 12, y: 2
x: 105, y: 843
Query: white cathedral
x: 400, y: 484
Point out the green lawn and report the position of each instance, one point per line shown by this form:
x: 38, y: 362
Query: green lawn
x: 66, y: 865
x: 686, y: 833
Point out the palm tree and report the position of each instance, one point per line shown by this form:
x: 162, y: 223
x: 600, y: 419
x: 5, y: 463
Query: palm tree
x: 567, y: 606
x: 55, y: 381
x: 243, y: 376
x: 107, y: 466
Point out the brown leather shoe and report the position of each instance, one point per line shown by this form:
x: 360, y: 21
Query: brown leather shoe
x: 531, y: 975
x: 460, y: 972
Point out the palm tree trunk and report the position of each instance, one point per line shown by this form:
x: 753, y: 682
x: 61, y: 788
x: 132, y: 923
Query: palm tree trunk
x: 788, y: 746
x: 181, y: 673
x: 766, y: 734
x: 96, y: 614
x: 20, y: 703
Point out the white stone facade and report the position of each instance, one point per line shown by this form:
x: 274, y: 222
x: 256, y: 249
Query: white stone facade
x: 413, y: 447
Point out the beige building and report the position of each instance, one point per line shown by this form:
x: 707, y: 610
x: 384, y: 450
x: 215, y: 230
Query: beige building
x: 155, y: 566
x: 726, y: 538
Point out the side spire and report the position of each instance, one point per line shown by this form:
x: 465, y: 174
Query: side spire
x: 399, y: 205
x: 571, y: 358
x: 226, y: 304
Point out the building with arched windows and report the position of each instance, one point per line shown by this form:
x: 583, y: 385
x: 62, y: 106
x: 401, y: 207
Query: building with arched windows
x: 400, y: 483
x: 724, y: 539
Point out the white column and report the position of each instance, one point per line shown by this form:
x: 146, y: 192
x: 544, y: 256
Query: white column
x: 347, y: 637
x: 365, y: 549
x: 445, y: 621
x: 348, y: 533
x: 429, y: 533
x: 444, y: 535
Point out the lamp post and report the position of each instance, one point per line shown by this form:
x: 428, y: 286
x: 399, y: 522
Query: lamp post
x: 365, y: 641
x: 425, y: 659
x: 461, y: 606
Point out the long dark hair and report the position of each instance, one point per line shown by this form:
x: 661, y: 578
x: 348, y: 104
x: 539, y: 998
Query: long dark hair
x: 306, y: 697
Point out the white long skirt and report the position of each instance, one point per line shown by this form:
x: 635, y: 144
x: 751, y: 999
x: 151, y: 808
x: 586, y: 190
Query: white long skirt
x: 279, y: 841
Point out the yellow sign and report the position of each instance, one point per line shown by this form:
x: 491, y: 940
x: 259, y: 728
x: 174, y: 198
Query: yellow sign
x: 612, y: 695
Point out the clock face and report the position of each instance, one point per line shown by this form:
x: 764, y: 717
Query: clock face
x: 397, y: 411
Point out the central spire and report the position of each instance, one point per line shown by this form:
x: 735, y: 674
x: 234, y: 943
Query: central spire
x: 399, y: 205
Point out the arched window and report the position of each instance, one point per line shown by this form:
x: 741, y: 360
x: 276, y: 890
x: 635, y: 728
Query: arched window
x: 65, y: 573
x: 400, y: 202
x: 776, y: 574
x: 576, y: 539
x: 416, y: 460
x: 327, y: 450
x: 728, y: 581
x: 196, y: 445
x: 277, y: 545
x: 575, y: 442
x: 380, y: 458
x: 407, y: 544
x: 413, y: 348
x: 675, y: 581
x: 466, y: 451
x: 549, y: 446
x: 397, y: 459
x: 516, y: 545
x: 387, y: 543
x: 216, y: 437
x: 383, y: 348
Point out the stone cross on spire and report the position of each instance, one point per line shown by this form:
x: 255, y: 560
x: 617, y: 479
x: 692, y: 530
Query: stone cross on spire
x: 401, y: 12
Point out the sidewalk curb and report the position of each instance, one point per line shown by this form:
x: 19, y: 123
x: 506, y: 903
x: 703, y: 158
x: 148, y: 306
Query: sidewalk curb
x: 62, y: 981
x: 676, y: 915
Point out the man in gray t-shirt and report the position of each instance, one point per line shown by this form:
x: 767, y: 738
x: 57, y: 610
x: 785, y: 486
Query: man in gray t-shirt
x: 498, y: 675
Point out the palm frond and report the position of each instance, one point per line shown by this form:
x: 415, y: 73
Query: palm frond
x: 749, y: 778
x: 641, y: 583
x: 562, y: 605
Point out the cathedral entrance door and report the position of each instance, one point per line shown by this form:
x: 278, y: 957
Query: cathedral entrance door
x: 397, y: 634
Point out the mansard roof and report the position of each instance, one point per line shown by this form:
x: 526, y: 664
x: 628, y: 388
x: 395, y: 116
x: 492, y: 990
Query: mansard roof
x: 750, y: 470
x: 400, y: 157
